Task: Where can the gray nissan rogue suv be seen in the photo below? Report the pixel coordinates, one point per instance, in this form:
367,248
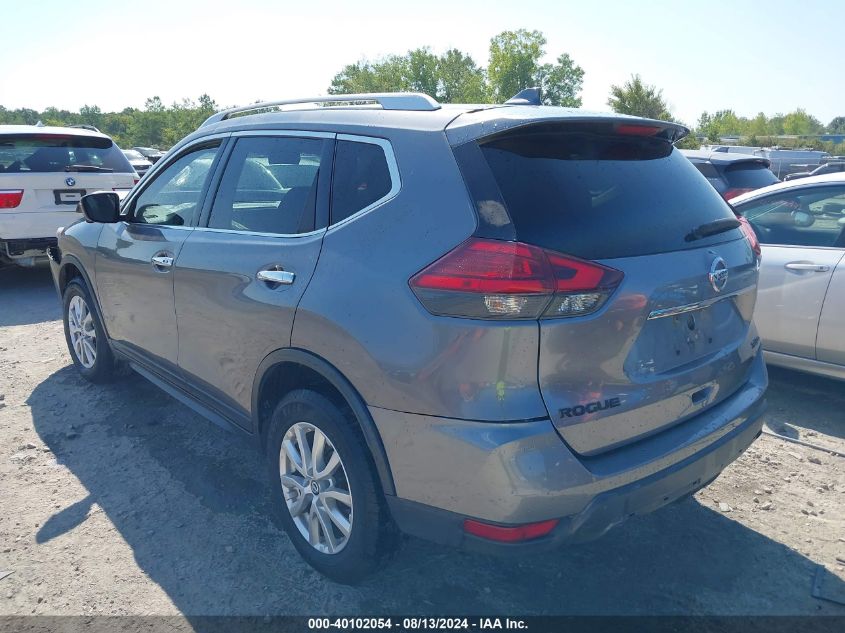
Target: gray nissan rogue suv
502,327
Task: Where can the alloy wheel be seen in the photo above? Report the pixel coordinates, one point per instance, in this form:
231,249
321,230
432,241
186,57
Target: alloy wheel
316,488
83,334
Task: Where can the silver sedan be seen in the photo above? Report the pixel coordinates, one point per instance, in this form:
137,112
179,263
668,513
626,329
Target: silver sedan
801,299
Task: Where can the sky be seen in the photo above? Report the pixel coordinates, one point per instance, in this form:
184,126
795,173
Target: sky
749,56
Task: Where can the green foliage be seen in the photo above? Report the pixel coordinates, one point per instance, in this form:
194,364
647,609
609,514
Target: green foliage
514,62
763,128
837,126
799,122
156,125
560,83
639,99
690,141
454,77
722,123
417,71
461,80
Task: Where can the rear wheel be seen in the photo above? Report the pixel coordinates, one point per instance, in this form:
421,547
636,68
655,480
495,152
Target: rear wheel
86,339
325,483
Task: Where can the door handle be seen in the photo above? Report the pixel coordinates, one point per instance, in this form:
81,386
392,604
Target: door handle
816,268
283,277
161,261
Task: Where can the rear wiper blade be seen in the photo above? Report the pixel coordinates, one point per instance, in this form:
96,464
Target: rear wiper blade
712,228
87,168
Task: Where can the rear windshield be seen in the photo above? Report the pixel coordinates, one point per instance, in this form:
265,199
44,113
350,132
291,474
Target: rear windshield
707,170
599,196
749,176
21,153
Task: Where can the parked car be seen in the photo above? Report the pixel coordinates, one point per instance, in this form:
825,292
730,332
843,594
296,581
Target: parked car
490,326
140,164
44,171
832,167
782,161
788,161
732,174
801,301
150,153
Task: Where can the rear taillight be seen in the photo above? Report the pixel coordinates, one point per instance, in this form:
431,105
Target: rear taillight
733,193
10,198
751,236
492,279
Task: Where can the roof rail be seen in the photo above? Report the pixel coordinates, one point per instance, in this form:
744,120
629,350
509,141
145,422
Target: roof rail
416,101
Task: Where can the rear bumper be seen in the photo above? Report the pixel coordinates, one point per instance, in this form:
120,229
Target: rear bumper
26,248
523,472
35,224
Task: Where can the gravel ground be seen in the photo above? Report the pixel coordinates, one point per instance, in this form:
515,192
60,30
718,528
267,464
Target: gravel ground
116,499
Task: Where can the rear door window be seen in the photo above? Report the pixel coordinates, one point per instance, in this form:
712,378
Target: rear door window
599,196
30,153
361,178
269,186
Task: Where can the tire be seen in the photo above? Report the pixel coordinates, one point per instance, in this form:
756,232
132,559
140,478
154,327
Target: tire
86,340
372,536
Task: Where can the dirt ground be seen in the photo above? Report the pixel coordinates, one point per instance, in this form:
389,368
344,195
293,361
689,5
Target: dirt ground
118,500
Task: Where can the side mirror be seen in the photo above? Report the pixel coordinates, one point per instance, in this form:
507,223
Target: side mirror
101,206
803,219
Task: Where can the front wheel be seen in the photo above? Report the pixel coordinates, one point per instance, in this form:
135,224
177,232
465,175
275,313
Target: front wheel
86,339
325,483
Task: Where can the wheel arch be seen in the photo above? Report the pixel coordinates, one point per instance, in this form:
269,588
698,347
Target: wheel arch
72,268
308,367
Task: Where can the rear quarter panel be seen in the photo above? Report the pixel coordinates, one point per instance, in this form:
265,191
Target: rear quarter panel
359,313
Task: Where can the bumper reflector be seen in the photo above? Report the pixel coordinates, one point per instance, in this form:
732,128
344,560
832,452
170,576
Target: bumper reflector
509,534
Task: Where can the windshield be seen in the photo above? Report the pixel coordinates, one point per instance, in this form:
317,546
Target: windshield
131,154
21,153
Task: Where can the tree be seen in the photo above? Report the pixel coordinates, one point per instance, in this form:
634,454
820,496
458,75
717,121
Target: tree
454,77
637,98
801,123
450,77
461,79
837,126
422,71
207,105
758,126
154,104
92,115
390,74
722,123
560,83
513,65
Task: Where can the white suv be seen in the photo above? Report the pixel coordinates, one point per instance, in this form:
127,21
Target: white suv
44,171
